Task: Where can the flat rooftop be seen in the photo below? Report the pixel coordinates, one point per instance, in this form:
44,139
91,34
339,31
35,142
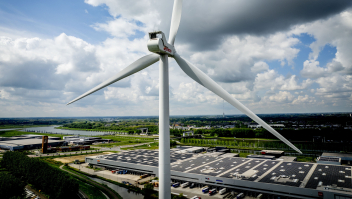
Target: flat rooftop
293,174
22,142
340,155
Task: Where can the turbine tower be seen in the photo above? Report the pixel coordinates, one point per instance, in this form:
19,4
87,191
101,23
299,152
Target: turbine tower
161,50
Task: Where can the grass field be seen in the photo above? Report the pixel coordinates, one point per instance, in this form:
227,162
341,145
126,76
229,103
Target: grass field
19,126
91,191
244,155
151,146
305,159
121,143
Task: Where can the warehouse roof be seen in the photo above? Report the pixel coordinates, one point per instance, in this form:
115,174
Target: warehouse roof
296,174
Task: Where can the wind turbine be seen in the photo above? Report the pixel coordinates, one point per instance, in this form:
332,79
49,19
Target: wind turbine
162,49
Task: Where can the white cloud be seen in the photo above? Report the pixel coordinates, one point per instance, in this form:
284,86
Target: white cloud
119,27
335,31
48,73
144,11
304,99
241,58
334,79
271,79
311,69
281,97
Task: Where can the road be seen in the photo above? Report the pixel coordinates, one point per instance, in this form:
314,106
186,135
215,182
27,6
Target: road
66,153
93,182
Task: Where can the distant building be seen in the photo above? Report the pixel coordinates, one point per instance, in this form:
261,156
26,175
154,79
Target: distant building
254,126
27,142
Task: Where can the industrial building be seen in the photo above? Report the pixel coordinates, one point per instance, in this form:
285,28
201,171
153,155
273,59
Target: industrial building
190,149
77,140
335,158
272,177
26,142
67,148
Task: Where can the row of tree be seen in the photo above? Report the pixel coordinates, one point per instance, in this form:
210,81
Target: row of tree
292,134
54,182
235,132
112,127
314,147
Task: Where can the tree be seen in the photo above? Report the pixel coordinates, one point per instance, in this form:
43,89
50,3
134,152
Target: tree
148,190
53,181
10,186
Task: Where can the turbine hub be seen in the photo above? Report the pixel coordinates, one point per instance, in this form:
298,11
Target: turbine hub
157,43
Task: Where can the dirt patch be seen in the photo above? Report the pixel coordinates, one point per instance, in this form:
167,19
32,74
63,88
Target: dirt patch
78,157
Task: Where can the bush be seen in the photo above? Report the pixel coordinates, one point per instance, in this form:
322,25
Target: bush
54,182
173,143
10,186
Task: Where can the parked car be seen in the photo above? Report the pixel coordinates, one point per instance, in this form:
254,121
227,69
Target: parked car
196,197
241,195
177,184
192,185
205,190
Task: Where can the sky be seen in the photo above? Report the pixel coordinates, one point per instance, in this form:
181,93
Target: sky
274,56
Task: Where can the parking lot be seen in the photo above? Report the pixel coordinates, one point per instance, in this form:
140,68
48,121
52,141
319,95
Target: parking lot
190,192
187,191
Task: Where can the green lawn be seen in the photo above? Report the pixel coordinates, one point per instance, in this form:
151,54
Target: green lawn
305,159
125,138
91,191
129,142
151,146
74,170
19,126
244,155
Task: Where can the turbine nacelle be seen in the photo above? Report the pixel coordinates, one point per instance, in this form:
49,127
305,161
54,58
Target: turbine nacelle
157,43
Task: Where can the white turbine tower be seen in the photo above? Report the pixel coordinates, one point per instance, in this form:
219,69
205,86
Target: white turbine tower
162,49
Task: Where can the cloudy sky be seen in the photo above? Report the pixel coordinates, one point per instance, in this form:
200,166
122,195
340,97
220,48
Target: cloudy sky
274,56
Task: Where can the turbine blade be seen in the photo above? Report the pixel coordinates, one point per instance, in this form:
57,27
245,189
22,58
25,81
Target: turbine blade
175,20
136,66
200,77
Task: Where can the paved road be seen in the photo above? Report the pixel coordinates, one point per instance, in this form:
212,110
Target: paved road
93,182
36,192
67,153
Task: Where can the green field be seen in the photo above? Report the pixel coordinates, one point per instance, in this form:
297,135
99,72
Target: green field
121,143
91,191
19,126
151,146
123,140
